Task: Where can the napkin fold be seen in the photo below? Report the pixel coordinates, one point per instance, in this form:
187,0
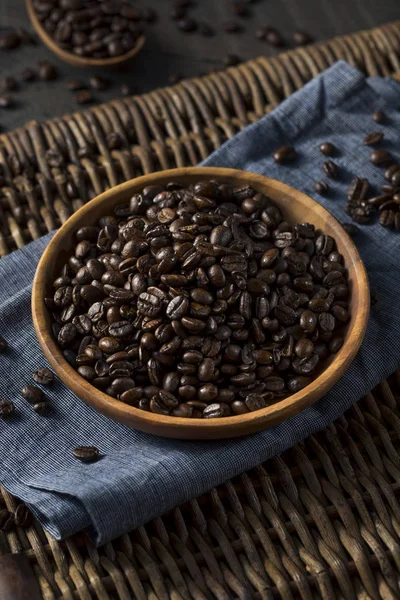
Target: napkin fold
140,476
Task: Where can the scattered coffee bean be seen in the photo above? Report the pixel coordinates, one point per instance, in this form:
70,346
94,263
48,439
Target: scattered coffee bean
8,84
330,169
97,82
240,8
32,394
373,138
327,148
5,100
381,158
187,25
83,97
285,154
125,89
231,60
86,454
27,74
9,41
175,78
272,36
379,116
322,188
47,71
200,302
75,85
41,408
301,38
232,27
6,408
3,345
43,376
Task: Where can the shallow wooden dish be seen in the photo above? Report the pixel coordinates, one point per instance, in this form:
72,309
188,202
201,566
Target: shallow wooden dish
296,207
73,59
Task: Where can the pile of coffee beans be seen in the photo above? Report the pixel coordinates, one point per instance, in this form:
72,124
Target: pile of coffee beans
200,301
91,28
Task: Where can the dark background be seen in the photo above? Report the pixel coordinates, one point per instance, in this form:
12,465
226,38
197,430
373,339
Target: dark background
167,50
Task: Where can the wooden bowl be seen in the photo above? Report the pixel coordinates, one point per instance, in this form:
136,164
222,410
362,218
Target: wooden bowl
73,59
296,207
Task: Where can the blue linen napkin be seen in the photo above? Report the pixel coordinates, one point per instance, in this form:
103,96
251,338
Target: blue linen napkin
141,476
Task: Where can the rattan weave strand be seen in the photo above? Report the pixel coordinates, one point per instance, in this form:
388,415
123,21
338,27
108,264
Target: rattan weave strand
320,521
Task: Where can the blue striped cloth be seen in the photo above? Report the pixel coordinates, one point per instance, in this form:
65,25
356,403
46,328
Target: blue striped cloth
140,476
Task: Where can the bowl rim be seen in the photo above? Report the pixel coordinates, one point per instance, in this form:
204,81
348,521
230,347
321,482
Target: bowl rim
146,420
74,59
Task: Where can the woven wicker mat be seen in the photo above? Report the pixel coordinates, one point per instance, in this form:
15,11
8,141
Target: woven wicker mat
320,521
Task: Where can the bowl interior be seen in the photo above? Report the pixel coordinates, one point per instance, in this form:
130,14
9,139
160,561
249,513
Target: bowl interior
74,59
296,207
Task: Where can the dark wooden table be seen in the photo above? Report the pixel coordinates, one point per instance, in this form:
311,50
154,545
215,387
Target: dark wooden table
168,50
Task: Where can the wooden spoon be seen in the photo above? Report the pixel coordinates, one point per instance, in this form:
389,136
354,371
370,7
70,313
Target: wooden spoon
73,59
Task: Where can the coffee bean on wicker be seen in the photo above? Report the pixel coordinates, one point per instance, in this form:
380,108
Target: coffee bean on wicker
188,301
43,376
6,408
86,454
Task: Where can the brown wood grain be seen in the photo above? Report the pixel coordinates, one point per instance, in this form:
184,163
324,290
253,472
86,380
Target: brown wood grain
296,207
73,59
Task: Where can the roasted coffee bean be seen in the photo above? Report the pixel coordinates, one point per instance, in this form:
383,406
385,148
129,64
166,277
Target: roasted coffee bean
330,169
187,298
272,36
32,394
41,408
285,154
301,38
47,71
6,408
43,376
381,158
327,148
255,402
3,345
373,138
379,116
298,383
216,410
322,188
86,454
